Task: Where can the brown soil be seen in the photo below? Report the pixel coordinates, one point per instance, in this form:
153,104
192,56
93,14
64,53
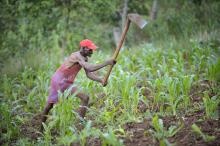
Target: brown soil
138,133
31,128
186,136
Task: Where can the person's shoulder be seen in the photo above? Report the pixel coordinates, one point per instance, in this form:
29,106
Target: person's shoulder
74,53
77,56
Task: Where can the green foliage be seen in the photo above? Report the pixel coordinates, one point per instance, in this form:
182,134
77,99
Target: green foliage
211,105
36,35
169,80
111,139
198,131
179,20
8,124
161,133
87,132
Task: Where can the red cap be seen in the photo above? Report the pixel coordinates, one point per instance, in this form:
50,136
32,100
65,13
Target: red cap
88,43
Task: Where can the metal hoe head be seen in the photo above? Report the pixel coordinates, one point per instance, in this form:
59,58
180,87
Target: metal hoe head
135,18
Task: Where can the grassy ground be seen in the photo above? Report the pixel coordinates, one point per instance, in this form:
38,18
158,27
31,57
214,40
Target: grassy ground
155,96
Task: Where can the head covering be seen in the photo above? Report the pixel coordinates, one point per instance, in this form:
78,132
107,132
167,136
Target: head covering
88,43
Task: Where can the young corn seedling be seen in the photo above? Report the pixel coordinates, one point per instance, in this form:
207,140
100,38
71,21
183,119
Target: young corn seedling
7,123
110,138
186,86
213,69
47,135
129,93
63,114
7,85
158,89
161,133
174,94
88,131
211,105
67,139
205,137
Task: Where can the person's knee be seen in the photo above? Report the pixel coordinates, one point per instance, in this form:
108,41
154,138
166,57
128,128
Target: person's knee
86,99
83,97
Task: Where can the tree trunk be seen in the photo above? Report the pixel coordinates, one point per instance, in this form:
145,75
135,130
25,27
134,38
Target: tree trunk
124,14
154,10
116,34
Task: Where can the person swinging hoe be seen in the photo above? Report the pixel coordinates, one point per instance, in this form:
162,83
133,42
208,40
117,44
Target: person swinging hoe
65,75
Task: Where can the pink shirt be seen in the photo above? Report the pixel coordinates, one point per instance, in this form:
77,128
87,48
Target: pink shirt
69,73
70,68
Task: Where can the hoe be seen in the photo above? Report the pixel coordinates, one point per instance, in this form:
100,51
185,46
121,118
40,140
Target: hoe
136,19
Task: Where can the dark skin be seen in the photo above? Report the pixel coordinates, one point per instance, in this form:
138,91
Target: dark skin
82,59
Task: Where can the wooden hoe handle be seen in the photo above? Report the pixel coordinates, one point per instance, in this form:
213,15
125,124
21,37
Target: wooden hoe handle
117,49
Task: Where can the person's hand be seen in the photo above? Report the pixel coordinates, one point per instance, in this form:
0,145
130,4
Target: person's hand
104,83
112,62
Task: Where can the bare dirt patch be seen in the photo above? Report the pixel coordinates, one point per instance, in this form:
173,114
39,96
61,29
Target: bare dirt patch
32,128
138,134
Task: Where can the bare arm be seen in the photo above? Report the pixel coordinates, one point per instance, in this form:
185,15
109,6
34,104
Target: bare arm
93,67
93,77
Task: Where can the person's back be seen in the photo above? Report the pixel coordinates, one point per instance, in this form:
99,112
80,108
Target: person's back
70,68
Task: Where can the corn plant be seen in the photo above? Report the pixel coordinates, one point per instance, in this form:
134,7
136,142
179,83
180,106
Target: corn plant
186,82
205,137
7,123
47,135
87,132
67,139
63,115
158,89
161,133
213,68
124,87
174,94
109,138
7,85
211,105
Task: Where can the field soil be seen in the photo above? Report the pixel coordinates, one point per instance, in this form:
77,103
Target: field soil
138,133
32,128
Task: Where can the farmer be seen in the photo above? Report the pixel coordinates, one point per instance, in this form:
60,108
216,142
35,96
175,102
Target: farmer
65,75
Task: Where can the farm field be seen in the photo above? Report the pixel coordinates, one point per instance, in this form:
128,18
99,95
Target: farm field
164,89
155,96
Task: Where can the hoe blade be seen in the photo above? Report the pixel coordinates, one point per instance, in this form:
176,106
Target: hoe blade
135,18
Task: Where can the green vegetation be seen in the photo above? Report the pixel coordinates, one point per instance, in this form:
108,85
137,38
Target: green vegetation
197,130
171,66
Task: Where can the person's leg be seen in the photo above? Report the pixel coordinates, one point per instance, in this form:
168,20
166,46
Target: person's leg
84,101
47,109
52,99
